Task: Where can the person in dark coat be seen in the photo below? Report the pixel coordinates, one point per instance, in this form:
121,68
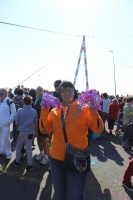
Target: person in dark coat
56,86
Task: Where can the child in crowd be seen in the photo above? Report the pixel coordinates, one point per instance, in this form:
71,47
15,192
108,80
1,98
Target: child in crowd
26,122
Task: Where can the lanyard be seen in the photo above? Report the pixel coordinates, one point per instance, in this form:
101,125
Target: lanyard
66,110
37,99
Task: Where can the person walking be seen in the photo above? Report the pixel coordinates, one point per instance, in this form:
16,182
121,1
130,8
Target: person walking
113,114
7,116
56,86
127,116
105,108
27,123
18,100
42,140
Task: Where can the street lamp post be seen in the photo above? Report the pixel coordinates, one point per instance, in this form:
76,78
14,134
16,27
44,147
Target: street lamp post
114,72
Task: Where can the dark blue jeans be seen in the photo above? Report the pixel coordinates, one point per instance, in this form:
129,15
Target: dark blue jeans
67,185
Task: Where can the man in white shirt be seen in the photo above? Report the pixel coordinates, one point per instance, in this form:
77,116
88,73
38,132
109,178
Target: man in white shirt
105,110
7,115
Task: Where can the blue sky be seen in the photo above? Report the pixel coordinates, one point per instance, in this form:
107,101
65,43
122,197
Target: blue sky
106,24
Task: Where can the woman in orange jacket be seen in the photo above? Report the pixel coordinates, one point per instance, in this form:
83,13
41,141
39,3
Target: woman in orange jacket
69,185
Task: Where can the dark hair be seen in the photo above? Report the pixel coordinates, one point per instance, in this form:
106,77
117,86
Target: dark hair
57,82
105,95
129,99
27,100
114,100
20,91
32,93
66,84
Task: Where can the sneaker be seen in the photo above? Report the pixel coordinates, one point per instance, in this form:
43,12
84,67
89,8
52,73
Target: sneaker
39,157
128,186
44,161
15,163
125,145
29,167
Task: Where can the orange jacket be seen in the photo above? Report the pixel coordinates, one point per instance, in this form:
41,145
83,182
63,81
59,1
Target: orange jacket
77,122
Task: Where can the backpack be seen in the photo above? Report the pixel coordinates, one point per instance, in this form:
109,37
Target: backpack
17,103
9,102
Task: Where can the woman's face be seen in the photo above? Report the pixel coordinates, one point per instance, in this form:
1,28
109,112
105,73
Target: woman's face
67,94
39,91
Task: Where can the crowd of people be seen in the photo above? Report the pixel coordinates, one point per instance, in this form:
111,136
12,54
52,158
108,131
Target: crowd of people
24,110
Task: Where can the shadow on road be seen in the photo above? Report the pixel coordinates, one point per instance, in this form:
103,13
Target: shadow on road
105,149
93,190
19,183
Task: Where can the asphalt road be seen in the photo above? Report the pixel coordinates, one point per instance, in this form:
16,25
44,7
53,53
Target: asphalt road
108,163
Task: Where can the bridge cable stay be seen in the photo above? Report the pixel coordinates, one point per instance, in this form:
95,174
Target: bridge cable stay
41,68
82,50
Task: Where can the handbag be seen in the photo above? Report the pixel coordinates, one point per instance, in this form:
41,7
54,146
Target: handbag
76,160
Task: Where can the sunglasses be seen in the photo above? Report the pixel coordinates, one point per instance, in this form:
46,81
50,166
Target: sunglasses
56,85
70,90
